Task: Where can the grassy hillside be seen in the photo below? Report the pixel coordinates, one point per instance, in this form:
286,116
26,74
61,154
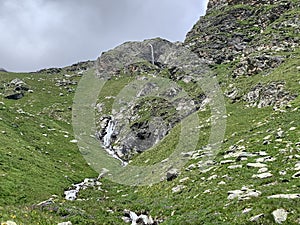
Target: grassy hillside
39,160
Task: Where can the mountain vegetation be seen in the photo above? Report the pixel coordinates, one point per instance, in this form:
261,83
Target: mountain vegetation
212,122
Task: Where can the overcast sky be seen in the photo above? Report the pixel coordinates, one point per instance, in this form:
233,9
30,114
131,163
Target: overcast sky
36,34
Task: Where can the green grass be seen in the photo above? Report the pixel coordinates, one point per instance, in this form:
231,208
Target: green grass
37,159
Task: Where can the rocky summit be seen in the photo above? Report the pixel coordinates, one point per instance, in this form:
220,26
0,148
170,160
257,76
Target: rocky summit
204,131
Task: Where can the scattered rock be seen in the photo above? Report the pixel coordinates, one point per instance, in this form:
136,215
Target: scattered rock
285,196
256,218
247,210
15,96
9,222
263,170
243,194
46,203
296,175
256,165
272,94
178,188
297,166
262,175
139,219
184,180
249,66
235,167
65,223
172,174
71,194
227,162
280,215
265,159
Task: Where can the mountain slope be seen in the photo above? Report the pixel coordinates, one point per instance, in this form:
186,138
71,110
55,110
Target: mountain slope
250,47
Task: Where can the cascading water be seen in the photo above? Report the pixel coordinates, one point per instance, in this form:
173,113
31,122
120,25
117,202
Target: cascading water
109,131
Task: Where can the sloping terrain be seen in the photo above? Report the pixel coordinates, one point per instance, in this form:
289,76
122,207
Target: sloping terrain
250,47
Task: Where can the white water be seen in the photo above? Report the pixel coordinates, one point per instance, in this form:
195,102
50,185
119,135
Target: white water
107,141
109,131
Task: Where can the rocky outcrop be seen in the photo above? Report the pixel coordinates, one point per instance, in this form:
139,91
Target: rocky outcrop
272,94
16,89
158,102
237,31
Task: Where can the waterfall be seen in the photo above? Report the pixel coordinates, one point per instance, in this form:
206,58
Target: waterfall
109,131
107,141
152,53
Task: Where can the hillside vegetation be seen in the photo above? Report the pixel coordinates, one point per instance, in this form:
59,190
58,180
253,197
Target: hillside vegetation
250,47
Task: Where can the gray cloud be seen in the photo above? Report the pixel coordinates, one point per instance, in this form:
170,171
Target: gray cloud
37,34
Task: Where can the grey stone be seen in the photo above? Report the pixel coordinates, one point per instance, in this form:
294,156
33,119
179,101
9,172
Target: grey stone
178,188
256,165
15,96
262,175
9,222
138,219
243,194
235,167
172,174
285,196
272,94
280,215
256,218
296,175
65,223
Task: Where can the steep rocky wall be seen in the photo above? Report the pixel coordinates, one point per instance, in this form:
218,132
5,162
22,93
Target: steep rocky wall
235,30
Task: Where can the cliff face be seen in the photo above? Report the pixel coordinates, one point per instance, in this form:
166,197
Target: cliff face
246,31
